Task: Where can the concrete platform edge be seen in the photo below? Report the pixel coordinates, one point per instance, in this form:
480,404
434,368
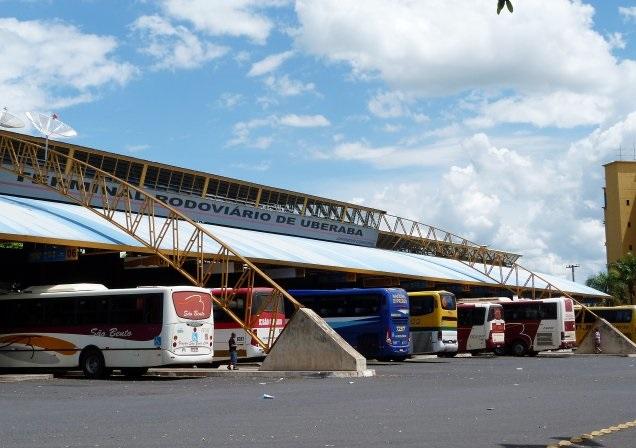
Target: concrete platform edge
25,377
199,373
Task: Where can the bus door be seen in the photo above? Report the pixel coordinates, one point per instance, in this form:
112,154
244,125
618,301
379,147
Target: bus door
549,330
497,333
268,316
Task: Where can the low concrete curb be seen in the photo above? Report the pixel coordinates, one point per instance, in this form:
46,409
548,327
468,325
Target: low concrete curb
26,377
223,372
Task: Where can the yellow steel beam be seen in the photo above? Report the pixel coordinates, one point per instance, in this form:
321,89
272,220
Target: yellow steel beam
111,199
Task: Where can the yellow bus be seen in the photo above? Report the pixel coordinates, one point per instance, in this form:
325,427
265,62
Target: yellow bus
433,322
622,317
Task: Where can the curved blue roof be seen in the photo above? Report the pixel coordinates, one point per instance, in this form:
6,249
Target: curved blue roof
60,222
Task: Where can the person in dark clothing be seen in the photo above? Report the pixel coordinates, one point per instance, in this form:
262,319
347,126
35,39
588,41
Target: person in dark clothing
233,354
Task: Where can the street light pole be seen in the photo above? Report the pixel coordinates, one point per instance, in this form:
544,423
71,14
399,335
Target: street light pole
572,266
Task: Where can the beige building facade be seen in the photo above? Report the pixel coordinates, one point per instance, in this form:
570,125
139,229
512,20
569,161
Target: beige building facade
620,214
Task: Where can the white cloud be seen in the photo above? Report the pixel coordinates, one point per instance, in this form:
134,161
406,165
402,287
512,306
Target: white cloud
616,40
221,17
269,64
261,166
560,109
230,100
52,65
395,104
628,12
547,47
391,128
243,129
389,105
391,157
285,86
304,121
174,47
545,206
136,148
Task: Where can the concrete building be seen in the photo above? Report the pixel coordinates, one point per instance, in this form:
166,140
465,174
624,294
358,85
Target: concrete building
620,195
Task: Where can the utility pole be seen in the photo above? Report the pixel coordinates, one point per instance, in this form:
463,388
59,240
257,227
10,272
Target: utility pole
572,266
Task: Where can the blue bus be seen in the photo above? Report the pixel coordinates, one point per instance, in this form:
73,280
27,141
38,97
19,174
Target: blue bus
374,321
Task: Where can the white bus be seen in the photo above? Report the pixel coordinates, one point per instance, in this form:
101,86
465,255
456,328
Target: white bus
99,329
536,325
480,327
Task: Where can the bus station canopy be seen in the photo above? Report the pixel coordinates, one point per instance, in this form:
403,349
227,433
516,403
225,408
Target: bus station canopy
33,220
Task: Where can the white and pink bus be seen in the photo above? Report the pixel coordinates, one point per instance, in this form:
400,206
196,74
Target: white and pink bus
480,327
536,325
97,329
261,308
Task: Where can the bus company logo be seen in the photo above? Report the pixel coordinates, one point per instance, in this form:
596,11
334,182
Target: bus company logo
265,322
111,333
197,307
400,300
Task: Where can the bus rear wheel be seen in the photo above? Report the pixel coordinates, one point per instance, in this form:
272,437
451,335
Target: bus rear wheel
519,348
134,372
93,364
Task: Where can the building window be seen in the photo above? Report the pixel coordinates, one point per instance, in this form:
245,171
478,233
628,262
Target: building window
627,202
630,247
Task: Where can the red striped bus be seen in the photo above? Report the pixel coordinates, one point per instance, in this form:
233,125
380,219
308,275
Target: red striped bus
265,313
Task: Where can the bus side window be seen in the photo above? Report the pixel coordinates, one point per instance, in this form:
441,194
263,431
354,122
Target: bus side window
153,309
548,311
91,310
479,316
60,312
126,310
464,317
33,312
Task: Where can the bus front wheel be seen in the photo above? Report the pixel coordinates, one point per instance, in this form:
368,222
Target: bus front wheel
93,364
519,348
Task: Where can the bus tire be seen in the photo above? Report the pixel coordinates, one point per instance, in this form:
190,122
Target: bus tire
134,372
519,348
93,364
447,354
499,351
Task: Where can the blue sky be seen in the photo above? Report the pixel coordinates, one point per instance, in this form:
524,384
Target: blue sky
492,127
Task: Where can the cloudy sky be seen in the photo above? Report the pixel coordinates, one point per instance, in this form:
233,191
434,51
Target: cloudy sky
493,127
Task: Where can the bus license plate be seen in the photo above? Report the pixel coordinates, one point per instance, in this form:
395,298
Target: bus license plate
194,349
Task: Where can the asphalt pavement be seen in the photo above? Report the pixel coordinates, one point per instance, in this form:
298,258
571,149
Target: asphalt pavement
463,402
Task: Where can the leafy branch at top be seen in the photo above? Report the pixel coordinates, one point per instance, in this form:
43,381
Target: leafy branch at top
502,3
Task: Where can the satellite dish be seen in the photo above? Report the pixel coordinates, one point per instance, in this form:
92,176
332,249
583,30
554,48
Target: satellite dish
8,120
50,125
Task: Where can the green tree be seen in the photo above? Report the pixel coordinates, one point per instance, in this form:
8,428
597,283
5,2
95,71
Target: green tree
610,283
625,268
502,3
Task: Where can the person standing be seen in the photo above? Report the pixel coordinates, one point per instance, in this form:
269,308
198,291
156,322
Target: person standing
597,340
233,353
